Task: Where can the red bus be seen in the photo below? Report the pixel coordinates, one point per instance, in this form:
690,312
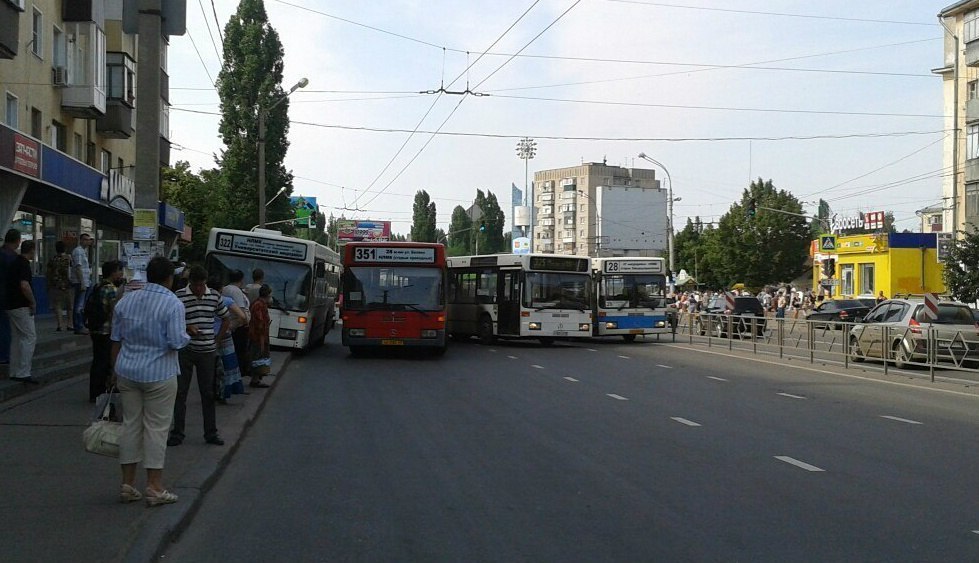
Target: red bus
393,295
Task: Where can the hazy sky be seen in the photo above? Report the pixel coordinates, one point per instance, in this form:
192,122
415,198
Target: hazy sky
856,75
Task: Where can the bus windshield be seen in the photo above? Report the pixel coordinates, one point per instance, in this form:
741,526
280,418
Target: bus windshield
631,291
290,282
392,288
545,290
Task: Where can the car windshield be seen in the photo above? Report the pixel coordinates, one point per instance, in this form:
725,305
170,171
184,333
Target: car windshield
948,314
392,288
291,282
630,291
849,304
748,305
546,290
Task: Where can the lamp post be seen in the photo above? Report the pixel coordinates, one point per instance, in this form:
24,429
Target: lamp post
263,114
669,212
955,129
526,150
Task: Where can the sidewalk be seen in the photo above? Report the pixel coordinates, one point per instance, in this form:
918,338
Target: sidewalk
57,356
61,503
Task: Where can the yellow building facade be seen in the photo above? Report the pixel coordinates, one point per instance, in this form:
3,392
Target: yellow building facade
865,265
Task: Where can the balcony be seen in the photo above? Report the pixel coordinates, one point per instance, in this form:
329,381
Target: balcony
568,240
972,170
547,248
972,110
85,11
164,151
9,30
118,122
972,53
84,94
547,197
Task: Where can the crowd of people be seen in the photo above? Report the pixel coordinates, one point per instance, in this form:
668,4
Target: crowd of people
148,343
779,301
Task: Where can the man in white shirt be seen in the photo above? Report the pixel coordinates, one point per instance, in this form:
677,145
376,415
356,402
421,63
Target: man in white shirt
239,334
80,276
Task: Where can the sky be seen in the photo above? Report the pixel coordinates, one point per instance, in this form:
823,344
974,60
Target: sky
831,99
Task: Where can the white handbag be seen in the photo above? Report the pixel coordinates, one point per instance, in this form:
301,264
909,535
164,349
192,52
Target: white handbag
102,436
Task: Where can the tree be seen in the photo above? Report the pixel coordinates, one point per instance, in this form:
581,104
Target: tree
961,273
192,193
820,221
460,233
250,79
489,228
423,218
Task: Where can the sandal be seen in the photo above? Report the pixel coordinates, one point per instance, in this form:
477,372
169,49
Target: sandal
128,493
156,498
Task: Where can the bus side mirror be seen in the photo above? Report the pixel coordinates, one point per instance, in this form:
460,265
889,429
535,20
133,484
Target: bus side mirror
320,270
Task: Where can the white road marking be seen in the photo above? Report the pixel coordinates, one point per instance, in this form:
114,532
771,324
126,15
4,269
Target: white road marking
512,357
662,366
684,421
571,379
975,531
492,350
536,366
899,419
798,463
619,397
716,378
591,349
790,395
624,357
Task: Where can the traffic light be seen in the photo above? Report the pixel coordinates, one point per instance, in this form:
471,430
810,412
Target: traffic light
752,207
482,226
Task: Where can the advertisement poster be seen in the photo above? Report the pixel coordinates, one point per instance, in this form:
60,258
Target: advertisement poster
353,230
304,208
144,224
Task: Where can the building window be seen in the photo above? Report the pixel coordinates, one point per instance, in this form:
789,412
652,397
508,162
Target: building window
36,123
846,277
867,279
90,154
972,142
120,166
37,33
106,163
79,148
59,136
973,89
121,78
970,26
59,48
10,114
972,199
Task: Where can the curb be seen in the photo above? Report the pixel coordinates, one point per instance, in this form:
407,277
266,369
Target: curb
166,525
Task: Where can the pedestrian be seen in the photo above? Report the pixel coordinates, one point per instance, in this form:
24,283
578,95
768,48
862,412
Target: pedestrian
251,290
228,367
239,331
147,331
59,287
106,294
258,337
780,305
880,297
201,305
21,307
81,280
11,242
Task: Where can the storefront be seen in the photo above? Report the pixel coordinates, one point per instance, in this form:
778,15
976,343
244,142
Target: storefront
865,265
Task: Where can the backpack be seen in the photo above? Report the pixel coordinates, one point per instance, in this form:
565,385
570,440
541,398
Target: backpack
94,313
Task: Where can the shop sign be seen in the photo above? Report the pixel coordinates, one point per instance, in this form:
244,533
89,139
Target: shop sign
27,156
119,191
871,221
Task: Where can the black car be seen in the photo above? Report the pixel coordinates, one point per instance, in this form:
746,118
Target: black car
839,310
717,319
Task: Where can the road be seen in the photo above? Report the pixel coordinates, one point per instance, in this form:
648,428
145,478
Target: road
600,451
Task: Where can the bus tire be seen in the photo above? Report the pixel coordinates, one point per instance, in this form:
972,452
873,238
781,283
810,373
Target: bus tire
357,351
486,336
547,340
629,337
439,351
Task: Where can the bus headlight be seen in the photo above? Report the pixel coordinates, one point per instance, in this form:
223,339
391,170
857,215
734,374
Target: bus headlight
356,332
660,324
584,326
429,333
533,326
288,334
611,325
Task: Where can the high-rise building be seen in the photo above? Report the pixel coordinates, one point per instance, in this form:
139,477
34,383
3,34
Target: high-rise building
599,210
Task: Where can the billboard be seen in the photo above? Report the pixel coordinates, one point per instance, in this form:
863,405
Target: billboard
304,208
355,230
521,245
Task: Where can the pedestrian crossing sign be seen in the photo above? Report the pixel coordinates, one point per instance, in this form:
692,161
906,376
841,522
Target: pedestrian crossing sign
827,242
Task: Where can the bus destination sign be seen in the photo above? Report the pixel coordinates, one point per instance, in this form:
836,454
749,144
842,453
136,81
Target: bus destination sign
633,266
559,264
260,246
394,254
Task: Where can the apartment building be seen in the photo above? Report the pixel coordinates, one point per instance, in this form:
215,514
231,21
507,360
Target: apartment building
67,124
599,210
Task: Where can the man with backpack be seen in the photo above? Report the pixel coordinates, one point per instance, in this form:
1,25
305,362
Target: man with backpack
98,320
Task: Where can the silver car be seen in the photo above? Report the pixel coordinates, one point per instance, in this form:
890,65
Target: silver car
897,330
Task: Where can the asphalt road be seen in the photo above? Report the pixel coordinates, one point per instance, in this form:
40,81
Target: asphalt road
601,451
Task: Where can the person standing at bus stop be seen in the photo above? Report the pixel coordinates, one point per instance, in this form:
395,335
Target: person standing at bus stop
81,279
258,336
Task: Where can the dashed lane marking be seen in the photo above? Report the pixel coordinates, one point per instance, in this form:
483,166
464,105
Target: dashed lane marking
899,419
791,396
797,463
536,366
716,378
591,349
618,397
684,421
512,357
662,366
571,379
624,357
493,350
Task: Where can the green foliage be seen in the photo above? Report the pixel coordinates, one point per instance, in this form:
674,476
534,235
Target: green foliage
820,222
193,194
961,272
489,240
250,79
460,233
423,218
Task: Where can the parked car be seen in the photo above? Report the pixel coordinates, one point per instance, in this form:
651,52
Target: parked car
717,319
840,311
956,333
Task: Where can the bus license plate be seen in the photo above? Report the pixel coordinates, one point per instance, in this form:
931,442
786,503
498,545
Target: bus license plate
392,343
560,333
635,331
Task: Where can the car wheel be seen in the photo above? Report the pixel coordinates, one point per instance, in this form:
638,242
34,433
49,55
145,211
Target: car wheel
546,341
629,337
719,329
855,354
486,336
901,356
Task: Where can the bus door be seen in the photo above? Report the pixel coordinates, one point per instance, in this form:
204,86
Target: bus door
508,319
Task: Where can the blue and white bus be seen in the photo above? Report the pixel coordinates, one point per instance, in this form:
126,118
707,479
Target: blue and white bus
630,297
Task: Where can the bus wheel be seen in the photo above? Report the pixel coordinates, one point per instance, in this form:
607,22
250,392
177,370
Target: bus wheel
356,351
439,351
629,337
486,335
547,341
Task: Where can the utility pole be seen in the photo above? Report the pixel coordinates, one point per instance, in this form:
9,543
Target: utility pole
955,129
147,172
263,114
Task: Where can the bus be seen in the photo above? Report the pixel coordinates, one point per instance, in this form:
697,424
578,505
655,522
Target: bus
304,277
393,296
630,297
542,296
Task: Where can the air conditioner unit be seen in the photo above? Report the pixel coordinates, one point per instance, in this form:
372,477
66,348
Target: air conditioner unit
59,76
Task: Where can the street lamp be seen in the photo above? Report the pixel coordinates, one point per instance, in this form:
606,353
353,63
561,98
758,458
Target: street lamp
263,114
281,191
669,212
526,150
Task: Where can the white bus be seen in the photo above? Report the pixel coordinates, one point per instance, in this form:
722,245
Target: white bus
630,297
304,277
541,296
